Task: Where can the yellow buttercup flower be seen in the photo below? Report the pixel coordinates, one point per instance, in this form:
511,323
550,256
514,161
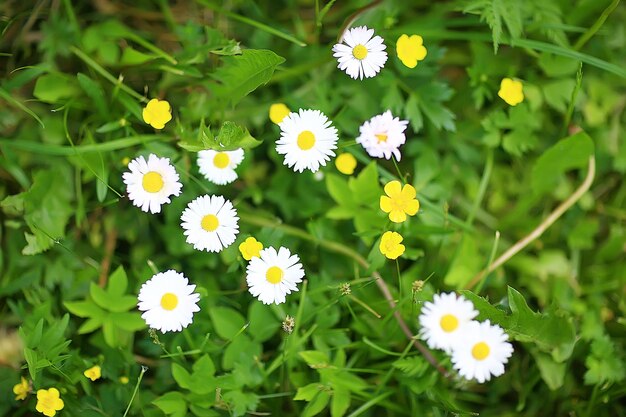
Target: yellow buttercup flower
390,245
250,248
278,111
49,402
124,380
93,373
511,91
410,50
399,201
157,113
345,163
21,390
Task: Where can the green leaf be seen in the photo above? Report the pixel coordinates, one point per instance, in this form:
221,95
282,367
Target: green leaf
226,321
99,295
365,187
340,402
173,404
129,321
263,323
231,136
118,282
308,392
552,372
466,264
339,190
242,74
91,325
84,309
94,92
569,153
604,364
204,367
314,358
181,376
316,405
412,366
52,88
495,12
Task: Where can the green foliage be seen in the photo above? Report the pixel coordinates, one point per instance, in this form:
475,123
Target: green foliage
75,251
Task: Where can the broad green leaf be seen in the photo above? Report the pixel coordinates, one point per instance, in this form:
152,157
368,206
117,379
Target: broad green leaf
84,309
181,376
316,405
569,153
241,74
314,358
466,264
340,402
54,87
365,187
308,392
232,136
263,323
118,282
173,404
129,321
95,94
90,325
552,372
100,296
339,190
605,363
241,402
204,367
226,321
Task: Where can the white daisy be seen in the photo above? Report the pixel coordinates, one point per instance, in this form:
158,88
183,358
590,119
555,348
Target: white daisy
382,135
210,223
360,54
219,167
273,275
307,140
443,320
168,301
150,184
483,352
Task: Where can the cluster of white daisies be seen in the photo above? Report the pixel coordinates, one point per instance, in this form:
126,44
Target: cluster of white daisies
478,349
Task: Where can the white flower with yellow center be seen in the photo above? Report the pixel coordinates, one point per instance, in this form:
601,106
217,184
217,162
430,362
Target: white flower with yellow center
443,320
483,352
307,140
219,167
383,135
168,301
151,183
210,223
273,275
360,54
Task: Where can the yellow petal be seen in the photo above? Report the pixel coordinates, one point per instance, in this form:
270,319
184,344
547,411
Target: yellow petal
397,216
408,192
412,208
385,204
393,188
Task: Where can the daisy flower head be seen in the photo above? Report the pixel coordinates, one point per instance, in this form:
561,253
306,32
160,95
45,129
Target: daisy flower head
483,353
444,319
359,54
210,223
272,275
157,113
151,183
399,201
168,301
307,140
219,167
382,135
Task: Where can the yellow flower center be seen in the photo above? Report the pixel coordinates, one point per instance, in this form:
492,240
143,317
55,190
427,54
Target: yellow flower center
381,137
480,351
449,323
306,140
169,301
210,222
152,182
274,275
221,160
359,52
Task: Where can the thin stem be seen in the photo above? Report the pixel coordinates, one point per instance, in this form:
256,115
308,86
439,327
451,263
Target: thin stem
584,38
143,371
543,226
484,182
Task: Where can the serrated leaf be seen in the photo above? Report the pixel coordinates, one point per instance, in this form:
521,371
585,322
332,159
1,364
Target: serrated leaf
412,366
241,74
